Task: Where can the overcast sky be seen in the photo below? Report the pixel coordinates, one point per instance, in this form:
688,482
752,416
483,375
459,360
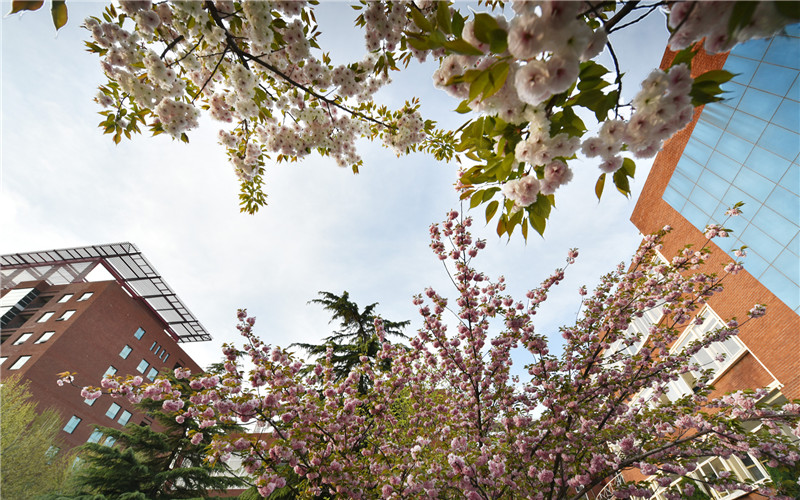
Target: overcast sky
65,184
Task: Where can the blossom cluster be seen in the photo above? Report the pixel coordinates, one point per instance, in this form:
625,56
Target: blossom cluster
256,67
447,415
711,23
253,68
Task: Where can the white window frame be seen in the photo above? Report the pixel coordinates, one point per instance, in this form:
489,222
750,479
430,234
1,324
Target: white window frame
113,414
46,316
125,417
72,424
44,337
65,298
19,363
23,338
85,296
67,315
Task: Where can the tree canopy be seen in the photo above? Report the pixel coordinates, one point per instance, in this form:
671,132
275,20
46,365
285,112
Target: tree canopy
448,419
142,462
357,336
534,98
32,463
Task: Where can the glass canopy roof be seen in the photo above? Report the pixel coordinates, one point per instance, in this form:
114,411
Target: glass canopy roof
124,262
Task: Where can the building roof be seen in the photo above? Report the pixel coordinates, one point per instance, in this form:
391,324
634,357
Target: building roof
125,262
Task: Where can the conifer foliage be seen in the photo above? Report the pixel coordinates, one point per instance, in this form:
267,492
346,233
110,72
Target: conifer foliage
356,337
148,463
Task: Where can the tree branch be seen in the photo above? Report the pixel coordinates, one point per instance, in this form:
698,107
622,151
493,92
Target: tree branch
245,56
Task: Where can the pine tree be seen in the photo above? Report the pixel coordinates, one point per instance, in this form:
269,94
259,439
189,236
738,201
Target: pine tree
148,463
31,464
356,336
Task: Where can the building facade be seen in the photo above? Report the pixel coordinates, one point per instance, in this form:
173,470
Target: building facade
55,319
744,148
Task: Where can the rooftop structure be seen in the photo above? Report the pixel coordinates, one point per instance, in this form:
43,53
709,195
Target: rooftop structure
124,261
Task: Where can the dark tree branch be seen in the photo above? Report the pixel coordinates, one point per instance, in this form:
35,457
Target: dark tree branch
245,56
650,11
172,45
620,15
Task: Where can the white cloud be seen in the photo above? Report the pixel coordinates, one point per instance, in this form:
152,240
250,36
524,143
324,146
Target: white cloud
65,184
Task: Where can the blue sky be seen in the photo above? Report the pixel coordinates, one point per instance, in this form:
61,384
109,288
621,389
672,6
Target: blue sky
65,184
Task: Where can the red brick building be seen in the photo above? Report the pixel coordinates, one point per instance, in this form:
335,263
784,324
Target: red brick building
55,320
744,148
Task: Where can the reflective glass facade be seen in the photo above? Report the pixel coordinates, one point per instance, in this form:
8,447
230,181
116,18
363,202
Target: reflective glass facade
747,148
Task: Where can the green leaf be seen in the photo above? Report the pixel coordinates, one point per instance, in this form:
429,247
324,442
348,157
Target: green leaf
420,20
621,182
498,41
524,228
591,70
598,188
498,73
537,223
717,76
741,15
461,46
418,43
515,220
501,225
506,166
684,56
457,23
476,199
484,24
463,107
443,17
479,85
629,167
788,9
489,193
491,209
18,6
592,83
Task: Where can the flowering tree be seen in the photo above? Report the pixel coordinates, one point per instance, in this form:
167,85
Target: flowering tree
448,419
527,84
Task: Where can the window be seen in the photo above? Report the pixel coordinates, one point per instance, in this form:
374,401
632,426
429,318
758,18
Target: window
45,337
124,418
139,334
19,362
110,440
125,352
85,296
111,371
65,298
51,453
165,357
89,402
158,349
154,345
151,375
67,315
95,437
72,424
142,366
22,338
113,410
3,359
46,316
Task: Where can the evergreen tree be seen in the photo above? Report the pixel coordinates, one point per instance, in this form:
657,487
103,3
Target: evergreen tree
31,463
356,336
149,463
